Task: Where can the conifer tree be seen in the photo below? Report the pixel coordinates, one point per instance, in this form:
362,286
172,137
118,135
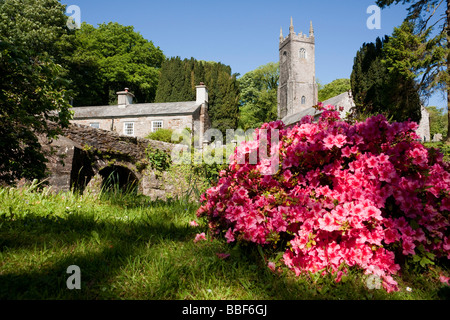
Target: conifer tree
178,79
376,89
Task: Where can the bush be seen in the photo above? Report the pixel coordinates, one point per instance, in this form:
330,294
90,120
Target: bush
367,195
164,135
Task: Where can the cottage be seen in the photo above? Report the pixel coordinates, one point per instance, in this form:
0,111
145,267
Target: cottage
140,119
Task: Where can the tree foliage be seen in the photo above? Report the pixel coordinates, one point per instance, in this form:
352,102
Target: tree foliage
334,88
33,93
380,90
107,59
438,121
34,25
178,79
429,60
258,103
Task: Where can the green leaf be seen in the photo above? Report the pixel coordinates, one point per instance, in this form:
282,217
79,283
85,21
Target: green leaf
260,250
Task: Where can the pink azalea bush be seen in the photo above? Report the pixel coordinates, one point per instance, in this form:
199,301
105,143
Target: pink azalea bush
345,195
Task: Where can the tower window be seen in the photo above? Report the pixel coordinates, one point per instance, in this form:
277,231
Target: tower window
303,100
302,53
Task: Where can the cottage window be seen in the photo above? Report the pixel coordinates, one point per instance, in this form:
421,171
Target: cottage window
156,125
95,125
128,128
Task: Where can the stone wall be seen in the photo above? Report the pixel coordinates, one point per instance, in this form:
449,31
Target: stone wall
77,158
142,125
424,126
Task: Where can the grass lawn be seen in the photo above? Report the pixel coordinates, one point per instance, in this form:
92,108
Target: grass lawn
128,247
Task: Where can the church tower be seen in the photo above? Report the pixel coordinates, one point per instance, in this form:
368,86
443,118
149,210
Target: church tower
297,88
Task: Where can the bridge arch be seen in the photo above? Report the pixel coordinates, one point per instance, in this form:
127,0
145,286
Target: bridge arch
118,178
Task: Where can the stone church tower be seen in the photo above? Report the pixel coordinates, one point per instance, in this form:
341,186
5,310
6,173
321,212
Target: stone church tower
297,88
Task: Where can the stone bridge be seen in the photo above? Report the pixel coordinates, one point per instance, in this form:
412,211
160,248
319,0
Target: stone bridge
84,157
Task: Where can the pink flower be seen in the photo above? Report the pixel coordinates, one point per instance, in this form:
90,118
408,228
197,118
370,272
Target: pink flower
229,236
220,206
382,188
200,237
329,142
271,265
223,256
408,247
444,279
287,175
193,224
327,223
340,140
338,277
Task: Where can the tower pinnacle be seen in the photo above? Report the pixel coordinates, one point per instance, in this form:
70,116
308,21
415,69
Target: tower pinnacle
281,34
311,30
291,28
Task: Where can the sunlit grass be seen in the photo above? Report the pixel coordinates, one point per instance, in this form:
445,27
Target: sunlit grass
129,247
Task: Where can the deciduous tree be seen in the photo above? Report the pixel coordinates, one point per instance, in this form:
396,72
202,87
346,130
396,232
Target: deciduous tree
258,102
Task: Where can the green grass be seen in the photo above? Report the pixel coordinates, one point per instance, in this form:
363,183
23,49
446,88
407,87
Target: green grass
128,247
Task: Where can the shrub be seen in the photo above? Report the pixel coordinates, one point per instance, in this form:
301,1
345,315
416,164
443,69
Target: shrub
365,195
164,135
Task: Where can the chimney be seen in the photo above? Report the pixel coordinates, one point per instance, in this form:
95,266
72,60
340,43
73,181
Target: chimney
124,98
202,93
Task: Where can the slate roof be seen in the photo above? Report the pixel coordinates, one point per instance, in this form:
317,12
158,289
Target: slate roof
296,117
342,100
136,110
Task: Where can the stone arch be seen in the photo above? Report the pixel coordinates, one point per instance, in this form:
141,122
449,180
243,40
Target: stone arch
82,171
118,177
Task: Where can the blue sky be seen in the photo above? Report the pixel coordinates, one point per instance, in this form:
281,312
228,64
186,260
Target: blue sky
244,34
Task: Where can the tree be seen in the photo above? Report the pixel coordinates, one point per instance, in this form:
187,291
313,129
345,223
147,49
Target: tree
34,25
334,88
33,95
377,89
438,121
258,99
431,60
107,59
178,79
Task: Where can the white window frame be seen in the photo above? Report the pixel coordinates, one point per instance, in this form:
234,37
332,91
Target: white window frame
127,129
160,126
95,125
